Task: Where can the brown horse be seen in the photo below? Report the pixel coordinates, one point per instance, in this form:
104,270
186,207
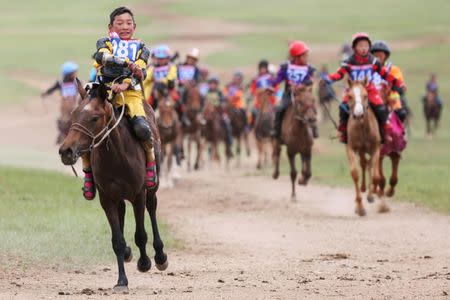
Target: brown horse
297,135
170,131
238,129
214,132
363,140
263,126
432,112
118,163
192,111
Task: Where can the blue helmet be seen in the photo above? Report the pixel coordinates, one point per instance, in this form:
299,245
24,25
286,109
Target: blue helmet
162,51
68,68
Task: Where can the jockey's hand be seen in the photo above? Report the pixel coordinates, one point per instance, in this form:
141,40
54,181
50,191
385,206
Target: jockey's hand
43,95
136,70
120,87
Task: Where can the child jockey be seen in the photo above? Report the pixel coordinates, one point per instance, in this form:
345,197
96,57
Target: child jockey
161,74
295,72
263,81
121,56
359,66
381,50
432,87
234,93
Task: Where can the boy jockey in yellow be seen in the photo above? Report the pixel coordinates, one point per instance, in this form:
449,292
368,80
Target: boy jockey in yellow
381,50
161,74
121,62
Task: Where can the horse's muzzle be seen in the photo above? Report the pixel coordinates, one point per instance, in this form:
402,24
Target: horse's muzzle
68,155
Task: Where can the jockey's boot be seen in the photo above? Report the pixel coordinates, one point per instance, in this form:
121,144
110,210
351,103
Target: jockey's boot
88,185
151,175
342,133
343,119
381,114
276,130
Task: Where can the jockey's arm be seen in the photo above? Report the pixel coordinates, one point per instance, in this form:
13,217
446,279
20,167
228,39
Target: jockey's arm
53,88
340,73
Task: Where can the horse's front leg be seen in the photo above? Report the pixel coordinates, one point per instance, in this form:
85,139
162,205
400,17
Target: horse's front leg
293,174
363,165
140,236
160,257
395,159
121,210
306,168
260,147
198,142
376,173
359,209
118,242
276,146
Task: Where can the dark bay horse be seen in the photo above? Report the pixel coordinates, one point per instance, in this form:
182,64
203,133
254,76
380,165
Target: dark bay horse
263,126
238,129
118,164
364,141
432,112
192,111
214,132
297,135
171,135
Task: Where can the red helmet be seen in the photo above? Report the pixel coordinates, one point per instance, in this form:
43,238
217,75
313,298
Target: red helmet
297,48
360,36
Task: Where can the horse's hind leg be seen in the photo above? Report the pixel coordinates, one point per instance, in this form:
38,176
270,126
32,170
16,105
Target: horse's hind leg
160,257
189,145
382,179
260,147
140,236
306,168
276,158
247,144
118,243
376,177
293,175
121,210
395,159
198,142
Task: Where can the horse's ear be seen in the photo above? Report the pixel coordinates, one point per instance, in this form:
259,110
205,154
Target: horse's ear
81,90
102,92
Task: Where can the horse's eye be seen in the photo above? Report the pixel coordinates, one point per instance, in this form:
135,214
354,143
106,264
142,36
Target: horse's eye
94,119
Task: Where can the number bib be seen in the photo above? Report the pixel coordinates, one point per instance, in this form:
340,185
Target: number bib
297,74
186,73
69,89
360,73
264,81
159,73
125,48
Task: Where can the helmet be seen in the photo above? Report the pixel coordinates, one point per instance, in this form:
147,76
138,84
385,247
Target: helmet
272,68
68,68
297,48
381,46
360,36
162,51
238,73
213,79
263,64
194,53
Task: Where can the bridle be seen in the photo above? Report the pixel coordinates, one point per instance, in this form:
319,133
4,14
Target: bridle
299,114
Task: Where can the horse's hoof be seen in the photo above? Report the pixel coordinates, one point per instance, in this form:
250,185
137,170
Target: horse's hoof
144,264
383,209
128,254
390,192
196,167
120,289
302,181
163,266
360,211
370,198
276,175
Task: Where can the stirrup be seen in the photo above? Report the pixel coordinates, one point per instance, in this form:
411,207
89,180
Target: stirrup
151,176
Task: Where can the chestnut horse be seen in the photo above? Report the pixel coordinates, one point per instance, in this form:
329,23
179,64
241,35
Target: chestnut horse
363,140
171,136
192,111
297,135
263,126
118,163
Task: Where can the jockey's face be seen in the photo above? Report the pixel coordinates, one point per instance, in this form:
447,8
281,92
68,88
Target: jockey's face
191,61
162,61
362,47
381,56
263,70
71,76
237,79
123,25
212,86
301,60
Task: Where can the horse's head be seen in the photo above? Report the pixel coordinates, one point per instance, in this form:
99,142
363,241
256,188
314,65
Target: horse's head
304,104
89,119
358,100
161,91
167,115
193,97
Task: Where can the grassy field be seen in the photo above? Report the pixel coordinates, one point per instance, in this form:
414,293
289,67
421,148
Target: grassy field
43,218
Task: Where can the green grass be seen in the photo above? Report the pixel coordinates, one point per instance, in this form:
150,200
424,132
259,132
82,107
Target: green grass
44,218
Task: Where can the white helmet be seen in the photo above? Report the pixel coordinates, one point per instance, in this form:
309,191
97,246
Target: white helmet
272,68
194,53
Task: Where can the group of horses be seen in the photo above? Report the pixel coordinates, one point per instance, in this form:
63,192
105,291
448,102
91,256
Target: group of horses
118,159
